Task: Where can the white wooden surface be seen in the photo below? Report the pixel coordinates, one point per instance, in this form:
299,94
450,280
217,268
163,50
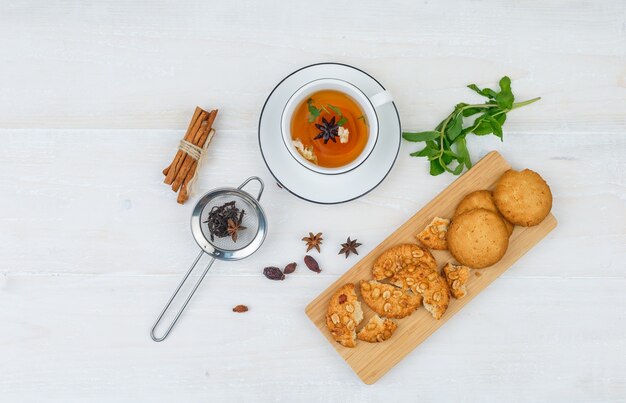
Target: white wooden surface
94,97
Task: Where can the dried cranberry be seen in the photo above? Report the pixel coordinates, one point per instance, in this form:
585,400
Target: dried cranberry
273,273
343,298
312,264
290,268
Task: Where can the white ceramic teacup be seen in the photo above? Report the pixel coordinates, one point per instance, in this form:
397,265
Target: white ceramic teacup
367,104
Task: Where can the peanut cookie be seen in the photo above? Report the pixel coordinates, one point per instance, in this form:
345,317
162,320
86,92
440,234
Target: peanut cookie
434,235
395,259
377,330
457,277
478,238
481,199
434,290
523,198
409,275
389,301
343,315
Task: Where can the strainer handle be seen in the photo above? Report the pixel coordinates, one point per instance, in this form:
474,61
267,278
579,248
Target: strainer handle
180,311
254,178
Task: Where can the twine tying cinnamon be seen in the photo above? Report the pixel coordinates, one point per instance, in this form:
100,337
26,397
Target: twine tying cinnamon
183,171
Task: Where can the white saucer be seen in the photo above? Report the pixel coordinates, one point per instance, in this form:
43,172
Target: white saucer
317,187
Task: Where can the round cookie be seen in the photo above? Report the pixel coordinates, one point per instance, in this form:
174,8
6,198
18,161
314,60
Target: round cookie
523,198
478,238
480,199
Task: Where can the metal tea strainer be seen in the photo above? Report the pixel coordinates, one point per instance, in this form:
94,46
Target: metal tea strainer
248,240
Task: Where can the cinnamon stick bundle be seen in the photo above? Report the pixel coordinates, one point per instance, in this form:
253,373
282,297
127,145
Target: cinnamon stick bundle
181,173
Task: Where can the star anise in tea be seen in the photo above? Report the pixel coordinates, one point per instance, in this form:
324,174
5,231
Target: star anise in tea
235,227
225,220
313,241
329,130
349,246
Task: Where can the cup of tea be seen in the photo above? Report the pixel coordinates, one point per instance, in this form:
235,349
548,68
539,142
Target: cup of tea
330,126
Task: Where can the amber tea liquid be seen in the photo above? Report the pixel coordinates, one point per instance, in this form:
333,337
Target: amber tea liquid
332,154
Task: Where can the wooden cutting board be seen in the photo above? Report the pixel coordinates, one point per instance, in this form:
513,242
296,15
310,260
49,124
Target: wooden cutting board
371,361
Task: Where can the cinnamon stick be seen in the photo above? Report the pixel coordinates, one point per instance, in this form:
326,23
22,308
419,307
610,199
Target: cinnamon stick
183,194
196,115
186,163
199,140
182,171
180,155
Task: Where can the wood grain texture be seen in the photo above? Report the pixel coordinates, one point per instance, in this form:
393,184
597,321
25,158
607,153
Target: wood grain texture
94,98
371,361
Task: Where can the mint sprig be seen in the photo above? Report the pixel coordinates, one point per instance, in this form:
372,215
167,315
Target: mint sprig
315,112
446,146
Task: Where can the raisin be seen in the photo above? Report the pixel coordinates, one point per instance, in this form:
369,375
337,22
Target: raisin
290,268
343,298
273,273
312,264
240,309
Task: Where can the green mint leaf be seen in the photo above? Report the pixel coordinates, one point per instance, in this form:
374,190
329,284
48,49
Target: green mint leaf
455,127
342,121
505,97
421,136
425,152
444,150
436,168
472,111
482,125
486,92
458,169
501,118
451,154
495,126
313,111
461,149
335,109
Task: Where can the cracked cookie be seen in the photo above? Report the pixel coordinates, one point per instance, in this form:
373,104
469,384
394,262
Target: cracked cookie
377,330
434,235
343,315
457,277
389,301
394,259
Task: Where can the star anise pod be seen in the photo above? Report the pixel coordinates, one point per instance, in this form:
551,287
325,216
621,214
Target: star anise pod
349,246
328,130
313,241
234,228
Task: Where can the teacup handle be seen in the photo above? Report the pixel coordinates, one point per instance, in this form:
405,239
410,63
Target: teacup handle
380,99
